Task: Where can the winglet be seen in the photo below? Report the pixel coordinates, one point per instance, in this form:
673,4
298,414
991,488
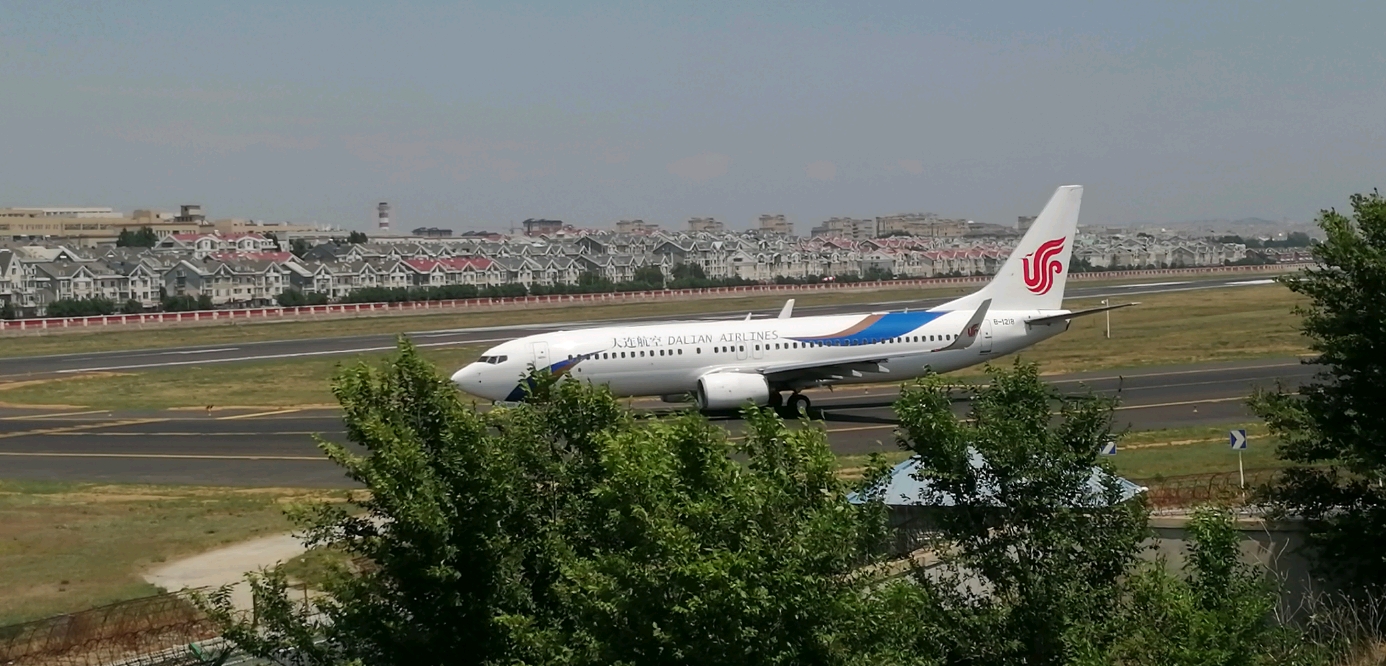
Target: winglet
788,310
971,330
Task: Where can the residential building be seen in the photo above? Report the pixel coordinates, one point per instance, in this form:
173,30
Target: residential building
705,225
776,224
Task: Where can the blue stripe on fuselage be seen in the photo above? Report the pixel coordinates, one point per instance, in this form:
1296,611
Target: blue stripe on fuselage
890,325
518,393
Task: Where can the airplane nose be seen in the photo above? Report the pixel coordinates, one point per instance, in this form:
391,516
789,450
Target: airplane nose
467,377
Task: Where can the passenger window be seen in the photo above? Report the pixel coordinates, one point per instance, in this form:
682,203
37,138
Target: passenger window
680,351
698,350
623,354
743,348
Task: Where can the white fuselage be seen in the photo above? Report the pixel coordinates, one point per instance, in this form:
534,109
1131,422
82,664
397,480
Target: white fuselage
669,358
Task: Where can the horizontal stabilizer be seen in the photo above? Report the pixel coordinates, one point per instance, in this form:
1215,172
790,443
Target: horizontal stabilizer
1079,313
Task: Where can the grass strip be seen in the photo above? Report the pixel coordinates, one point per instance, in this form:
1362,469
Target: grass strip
66,547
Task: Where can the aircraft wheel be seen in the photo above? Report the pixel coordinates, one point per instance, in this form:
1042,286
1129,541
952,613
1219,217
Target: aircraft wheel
798,405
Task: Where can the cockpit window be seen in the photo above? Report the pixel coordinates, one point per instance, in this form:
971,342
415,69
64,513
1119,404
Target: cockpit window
493,360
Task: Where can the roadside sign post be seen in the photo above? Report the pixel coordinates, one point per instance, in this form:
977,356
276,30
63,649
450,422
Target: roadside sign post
1109,449
1238,440
1109,317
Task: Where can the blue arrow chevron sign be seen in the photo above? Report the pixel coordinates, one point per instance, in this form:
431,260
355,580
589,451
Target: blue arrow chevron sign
1238,439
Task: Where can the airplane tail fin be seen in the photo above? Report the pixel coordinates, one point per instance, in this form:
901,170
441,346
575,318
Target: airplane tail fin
1034,276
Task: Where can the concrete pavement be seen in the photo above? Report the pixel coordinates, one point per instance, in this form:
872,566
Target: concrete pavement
277,447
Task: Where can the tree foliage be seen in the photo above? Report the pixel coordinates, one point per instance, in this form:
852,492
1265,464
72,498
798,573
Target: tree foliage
145,237
299,247
82,307
1038,554
186,303
8,310
566,531
290,298
357,237
1333,428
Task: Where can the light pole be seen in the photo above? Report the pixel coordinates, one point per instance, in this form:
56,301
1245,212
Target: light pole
1109,318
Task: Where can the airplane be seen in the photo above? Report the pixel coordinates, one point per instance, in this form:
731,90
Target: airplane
725,364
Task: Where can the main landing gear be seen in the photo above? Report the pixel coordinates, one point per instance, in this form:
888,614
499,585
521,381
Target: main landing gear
796,405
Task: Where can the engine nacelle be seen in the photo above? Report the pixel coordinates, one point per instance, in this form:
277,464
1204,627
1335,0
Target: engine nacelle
732,390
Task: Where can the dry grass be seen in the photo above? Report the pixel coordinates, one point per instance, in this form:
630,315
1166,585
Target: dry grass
66,547
1176,328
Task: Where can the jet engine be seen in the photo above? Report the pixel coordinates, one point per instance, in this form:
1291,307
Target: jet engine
732,390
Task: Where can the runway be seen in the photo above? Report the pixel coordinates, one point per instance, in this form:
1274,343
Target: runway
146,359
276,448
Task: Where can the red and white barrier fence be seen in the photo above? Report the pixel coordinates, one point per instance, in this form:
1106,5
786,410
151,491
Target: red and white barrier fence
308,311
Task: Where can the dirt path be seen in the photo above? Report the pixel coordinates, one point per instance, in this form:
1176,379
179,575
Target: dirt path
227,566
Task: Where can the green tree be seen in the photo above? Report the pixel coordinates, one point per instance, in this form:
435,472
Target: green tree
357,237
204,302
299,247
686,271
131,306
81,307
1333,428
652,277
565,531
1219,612
8,311
1024,523
145,237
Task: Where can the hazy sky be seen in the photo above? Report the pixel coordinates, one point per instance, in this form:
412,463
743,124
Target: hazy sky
477,115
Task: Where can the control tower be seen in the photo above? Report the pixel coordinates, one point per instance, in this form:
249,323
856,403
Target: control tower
382,211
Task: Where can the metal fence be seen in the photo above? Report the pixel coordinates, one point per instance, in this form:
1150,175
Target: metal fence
311,311
153,630
1192,490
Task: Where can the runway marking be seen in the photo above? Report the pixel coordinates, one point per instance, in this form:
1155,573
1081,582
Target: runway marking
29,417
204,351
1183,402
208,434
78,428
1153,284
268,357
854,429
157,456
1178,372
251,416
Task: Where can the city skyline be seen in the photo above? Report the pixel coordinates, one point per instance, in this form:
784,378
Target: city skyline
479,116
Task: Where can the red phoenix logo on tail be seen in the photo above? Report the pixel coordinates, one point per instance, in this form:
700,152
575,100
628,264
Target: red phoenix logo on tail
1039,273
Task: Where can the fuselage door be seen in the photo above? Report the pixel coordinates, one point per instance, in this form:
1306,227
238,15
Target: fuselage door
986,336
740,351
541,355
758,349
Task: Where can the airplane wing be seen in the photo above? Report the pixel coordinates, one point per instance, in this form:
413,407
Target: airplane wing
1049,319
873,362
